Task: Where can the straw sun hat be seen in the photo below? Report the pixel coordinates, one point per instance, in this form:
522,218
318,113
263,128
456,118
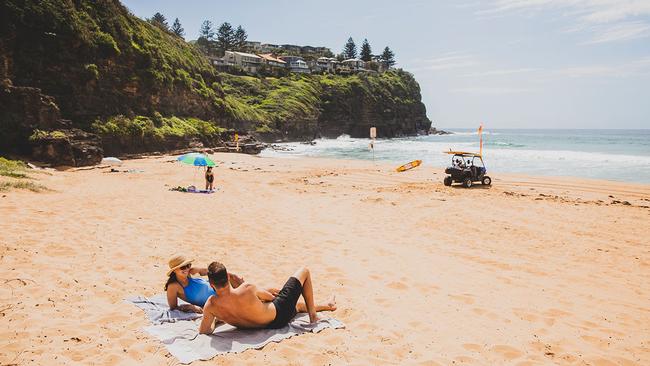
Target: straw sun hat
176,262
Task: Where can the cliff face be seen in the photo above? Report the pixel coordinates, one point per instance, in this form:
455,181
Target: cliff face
391,102
94,64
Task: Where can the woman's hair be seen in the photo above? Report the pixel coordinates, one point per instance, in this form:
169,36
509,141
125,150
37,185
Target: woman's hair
170,280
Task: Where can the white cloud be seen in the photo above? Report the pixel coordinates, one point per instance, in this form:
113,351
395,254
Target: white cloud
492,90
606,20
621,32
446,61
499,72
629,69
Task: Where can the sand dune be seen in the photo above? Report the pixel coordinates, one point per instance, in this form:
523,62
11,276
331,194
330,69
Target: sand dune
530,271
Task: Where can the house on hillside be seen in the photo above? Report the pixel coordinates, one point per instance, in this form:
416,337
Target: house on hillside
272,62
296,64
291,48
383,65
322,50
247,61
253,46
354,64
269,48
325,64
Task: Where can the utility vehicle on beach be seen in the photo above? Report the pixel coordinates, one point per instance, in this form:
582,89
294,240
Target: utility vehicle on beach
466,168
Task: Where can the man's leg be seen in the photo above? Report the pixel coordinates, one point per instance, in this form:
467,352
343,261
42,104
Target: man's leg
330,305
304,277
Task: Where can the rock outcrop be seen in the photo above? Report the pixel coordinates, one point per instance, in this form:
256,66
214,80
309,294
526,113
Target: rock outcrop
78,65
32,124
394,108
70,147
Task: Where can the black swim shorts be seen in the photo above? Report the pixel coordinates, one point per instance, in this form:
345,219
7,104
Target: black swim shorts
285,303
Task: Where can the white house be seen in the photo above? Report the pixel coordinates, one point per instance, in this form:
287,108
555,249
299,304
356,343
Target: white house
296,64
326,64
354,64
247,61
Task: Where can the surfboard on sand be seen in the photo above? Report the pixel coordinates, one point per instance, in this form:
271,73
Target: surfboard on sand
410,165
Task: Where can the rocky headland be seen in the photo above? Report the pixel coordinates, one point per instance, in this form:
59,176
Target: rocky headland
84,79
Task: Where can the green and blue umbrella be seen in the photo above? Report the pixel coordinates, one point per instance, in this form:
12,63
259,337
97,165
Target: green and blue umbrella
196,159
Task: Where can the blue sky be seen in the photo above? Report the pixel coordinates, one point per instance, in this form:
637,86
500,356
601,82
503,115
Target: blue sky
507,63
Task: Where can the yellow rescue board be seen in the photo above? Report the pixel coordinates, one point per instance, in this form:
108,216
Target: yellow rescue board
410,165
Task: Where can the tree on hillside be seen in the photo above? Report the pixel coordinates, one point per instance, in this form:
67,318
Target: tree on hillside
159,20
240,38
225,37
388,57
340,57
329,54
207,30
366,51
177,29
350,49
206,37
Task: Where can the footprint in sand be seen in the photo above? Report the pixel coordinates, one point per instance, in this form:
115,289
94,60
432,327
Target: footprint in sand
398,286
525,315
381,301
464,298
473,347
509,353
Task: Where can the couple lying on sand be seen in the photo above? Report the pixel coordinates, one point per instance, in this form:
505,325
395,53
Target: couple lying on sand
226,297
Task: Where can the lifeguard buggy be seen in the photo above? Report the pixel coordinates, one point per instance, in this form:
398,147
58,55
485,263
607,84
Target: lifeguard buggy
466,168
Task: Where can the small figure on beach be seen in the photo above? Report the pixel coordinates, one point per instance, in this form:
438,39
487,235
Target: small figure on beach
195,291
209,178
248,306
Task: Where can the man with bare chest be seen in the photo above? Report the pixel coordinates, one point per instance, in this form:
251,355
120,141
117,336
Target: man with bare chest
248,306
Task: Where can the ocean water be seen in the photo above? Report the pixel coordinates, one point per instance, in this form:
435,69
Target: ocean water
619,155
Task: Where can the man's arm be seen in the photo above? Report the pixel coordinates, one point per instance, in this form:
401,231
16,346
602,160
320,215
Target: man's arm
208,323
199,271
262,294
235,279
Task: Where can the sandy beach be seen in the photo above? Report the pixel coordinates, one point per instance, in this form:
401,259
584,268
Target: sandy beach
531,271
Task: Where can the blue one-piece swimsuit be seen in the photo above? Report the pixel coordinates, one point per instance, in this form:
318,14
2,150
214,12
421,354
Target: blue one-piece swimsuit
197,291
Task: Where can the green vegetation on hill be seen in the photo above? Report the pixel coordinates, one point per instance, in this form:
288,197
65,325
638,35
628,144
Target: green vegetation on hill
157,128
16,171
12,168
133,82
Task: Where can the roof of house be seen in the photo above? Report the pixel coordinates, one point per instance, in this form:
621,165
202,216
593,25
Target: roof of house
244,54
269,57
352,60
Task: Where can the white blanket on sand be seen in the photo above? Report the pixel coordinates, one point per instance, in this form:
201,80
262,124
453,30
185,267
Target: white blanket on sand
184,342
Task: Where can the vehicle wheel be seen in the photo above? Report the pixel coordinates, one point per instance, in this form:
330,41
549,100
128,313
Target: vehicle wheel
467,182
447,181
486,181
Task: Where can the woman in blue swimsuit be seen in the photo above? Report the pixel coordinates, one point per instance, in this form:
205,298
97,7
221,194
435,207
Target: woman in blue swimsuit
195,291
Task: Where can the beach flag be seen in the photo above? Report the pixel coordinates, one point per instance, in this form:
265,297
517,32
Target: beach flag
480,136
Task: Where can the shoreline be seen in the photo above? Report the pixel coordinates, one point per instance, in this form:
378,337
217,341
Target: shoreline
387,164
422,273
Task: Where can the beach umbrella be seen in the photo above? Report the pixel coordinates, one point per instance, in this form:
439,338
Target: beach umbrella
196,159
111,161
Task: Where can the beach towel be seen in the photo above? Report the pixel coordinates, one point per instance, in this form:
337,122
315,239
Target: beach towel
158,311
184,342
191,189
